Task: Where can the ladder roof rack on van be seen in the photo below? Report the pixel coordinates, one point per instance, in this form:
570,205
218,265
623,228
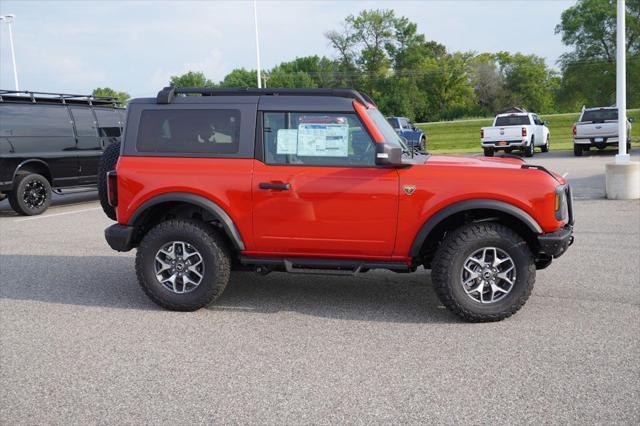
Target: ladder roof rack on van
24,96
167,94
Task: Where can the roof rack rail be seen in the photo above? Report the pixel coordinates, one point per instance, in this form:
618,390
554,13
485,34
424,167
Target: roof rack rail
49,97
167,94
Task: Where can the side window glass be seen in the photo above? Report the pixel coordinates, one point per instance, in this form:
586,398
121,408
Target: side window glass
34,120
108,122
199,131
405,124
316,139
85,123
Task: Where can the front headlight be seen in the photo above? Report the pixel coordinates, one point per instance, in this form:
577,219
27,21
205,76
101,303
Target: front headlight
561,203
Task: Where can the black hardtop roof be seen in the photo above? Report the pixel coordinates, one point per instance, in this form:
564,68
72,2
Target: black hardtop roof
168,94
48,98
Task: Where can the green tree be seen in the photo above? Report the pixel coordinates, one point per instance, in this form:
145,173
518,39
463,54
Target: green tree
122,97
191,79
240,77
588,70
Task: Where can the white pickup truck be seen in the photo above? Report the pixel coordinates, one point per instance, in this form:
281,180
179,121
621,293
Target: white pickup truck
597,127
519,130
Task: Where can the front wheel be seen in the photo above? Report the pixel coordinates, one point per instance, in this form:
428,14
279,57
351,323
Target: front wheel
483,272
31,194
182,265
423,143
546,146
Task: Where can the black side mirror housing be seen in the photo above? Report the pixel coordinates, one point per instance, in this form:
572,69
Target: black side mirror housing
388,155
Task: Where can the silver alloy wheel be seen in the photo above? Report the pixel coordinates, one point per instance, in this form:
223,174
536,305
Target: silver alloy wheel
179,267
488,275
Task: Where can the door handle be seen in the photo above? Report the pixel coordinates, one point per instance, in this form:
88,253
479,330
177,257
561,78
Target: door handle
276,186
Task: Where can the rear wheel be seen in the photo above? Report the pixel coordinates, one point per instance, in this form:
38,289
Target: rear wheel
488,152
31,194
577,150
182,265
483,272
107,163
529,150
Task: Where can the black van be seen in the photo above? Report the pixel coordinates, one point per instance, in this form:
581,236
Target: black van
52,140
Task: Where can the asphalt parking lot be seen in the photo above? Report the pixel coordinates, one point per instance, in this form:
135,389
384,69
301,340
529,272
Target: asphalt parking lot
81,343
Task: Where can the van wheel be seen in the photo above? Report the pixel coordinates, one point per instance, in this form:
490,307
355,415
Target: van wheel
182,265
530,149
488,152
31,194
483,272
577,150
545,147
108,162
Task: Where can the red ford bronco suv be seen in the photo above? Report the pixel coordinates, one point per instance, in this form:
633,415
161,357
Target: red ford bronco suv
315,181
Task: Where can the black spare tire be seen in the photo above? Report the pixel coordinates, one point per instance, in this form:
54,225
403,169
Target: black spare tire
107,163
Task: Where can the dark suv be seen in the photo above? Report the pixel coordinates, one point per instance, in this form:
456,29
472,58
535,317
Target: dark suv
318,182
52,140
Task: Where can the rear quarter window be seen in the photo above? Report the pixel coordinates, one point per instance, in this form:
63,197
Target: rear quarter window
189,131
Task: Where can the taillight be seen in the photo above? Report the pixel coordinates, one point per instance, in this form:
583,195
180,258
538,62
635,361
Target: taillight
112,188
482,133
574,130
524,131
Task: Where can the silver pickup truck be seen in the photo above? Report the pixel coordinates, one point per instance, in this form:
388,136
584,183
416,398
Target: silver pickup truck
597,127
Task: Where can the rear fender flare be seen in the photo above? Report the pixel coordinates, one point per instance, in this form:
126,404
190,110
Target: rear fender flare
211,207
476,204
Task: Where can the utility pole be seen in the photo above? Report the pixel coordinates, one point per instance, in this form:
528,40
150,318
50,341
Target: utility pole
9,20
255,21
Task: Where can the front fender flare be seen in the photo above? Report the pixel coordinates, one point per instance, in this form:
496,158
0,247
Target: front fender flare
475,204
215,210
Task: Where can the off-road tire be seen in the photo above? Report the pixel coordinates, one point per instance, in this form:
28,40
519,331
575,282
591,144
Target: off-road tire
215,254
577,150
488,152
16,196
545,147
530,149
423,144
449,260
108,162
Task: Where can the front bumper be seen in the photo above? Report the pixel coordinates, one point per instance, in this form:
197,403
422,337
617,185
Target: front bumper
554,244
119,237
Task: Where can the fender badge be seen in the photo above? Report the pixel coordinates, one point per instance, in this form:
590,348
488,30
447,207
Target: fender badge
409,189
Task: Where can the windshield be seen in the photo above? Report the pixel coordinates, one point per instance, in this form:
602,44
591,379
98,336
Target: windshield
512,120
393,122
390,135
600,115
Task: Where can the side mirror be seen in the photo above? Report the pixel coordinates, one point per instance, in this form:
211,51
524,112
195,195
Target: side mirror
631,119
388,155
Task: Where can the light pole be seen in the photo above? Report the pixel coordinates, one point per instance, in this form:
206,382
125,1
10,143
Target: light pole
9,20
621,84
255,21
622,177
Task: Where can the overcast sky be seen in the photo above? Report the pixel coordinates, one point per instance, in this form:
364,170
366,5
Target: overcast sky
135,46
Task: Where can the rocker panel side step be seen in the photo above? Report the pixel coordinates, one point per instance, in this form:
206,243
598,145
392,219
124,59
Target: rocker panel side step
323,266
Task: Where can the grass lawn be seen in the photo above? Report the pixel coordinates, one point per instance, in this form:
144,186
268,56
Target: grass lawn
464,135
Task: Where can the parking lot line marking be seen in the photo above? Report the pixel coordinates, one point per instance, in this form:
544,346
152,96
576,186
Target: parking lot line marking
57,214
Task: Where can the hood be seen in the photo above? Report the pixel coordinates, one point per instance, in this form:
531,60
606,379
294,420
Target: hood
476,161
487,162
